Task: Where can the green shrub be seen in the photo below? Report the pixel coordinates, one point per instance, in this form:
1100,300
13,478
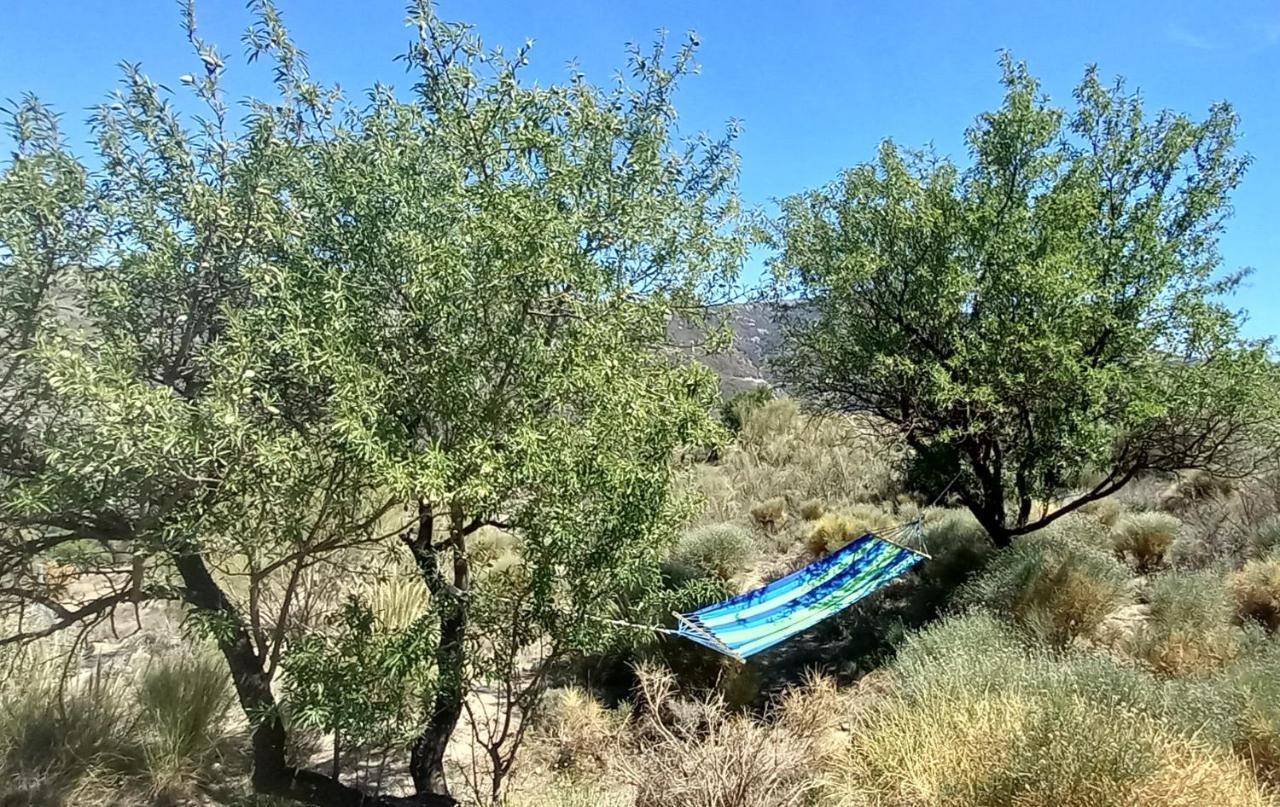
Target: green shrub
1145,538
720,551
975,719
1053,586
183,705
738,409
959,547
1266,538
1190,630
1254,688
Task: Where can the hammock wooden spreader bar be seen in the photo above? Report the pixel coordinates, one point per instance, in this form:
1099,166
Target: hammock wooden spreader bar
756,620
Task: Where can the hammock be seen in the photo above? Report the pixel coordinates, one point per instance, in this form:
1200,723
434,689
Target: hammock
744,625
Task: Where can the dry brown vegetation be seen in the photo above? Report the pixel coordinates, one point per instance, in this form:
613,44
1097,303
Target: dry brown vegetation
1124,656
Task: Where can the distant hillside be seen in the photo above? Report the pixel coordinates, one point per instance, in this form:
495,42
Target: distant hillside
745,364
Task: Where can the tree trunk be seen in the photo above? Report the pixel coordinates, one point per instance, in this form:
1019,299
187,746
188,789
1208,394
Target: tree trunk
426,761
987,505
272,775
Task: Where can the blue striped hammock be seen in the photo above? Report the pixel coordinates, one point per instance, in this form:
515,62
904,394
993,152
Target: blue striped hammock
744,625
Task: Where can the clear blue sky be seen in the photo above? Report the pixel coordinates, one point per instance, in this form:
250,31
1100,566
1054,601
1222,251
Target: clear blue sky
816,84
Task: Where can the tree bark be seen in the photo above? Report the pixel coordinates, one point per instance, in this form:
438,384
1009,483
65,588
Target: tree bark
426,760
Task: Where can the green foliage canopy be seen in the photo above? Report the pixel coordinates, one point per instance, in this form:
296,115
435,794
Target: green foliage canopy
1052,310
355,332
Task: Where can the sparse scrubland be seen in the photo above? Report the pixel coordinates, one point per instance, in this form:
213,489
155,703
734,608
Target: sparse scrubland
345,458
1063,671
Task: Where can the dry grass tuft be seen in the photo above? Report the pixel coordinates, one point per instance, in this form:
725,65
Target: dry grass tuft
812,509
1055,587
1256,590
700,754
1106,511
576,731
834,530
1145,538
717,551
770,514
1189,631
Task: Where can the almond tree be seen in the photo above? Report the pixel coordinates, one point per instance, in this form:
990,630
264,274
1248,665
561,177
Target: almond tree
1046,320
239,353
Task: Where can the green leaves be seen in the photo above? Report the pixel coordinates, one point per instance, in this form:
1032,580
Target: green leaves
1033,311
243,351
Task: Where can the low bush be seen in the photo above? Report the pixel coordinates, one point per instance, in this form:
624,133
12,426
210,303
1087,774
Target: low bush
718,551
1145,538
959,547
1055,587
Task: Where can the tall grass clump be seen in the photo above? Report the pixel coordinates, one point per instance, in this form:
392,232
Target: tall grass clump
1054,586
976,719
1253,688
56,740
1145,538
1189,631
1256,591
183,705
